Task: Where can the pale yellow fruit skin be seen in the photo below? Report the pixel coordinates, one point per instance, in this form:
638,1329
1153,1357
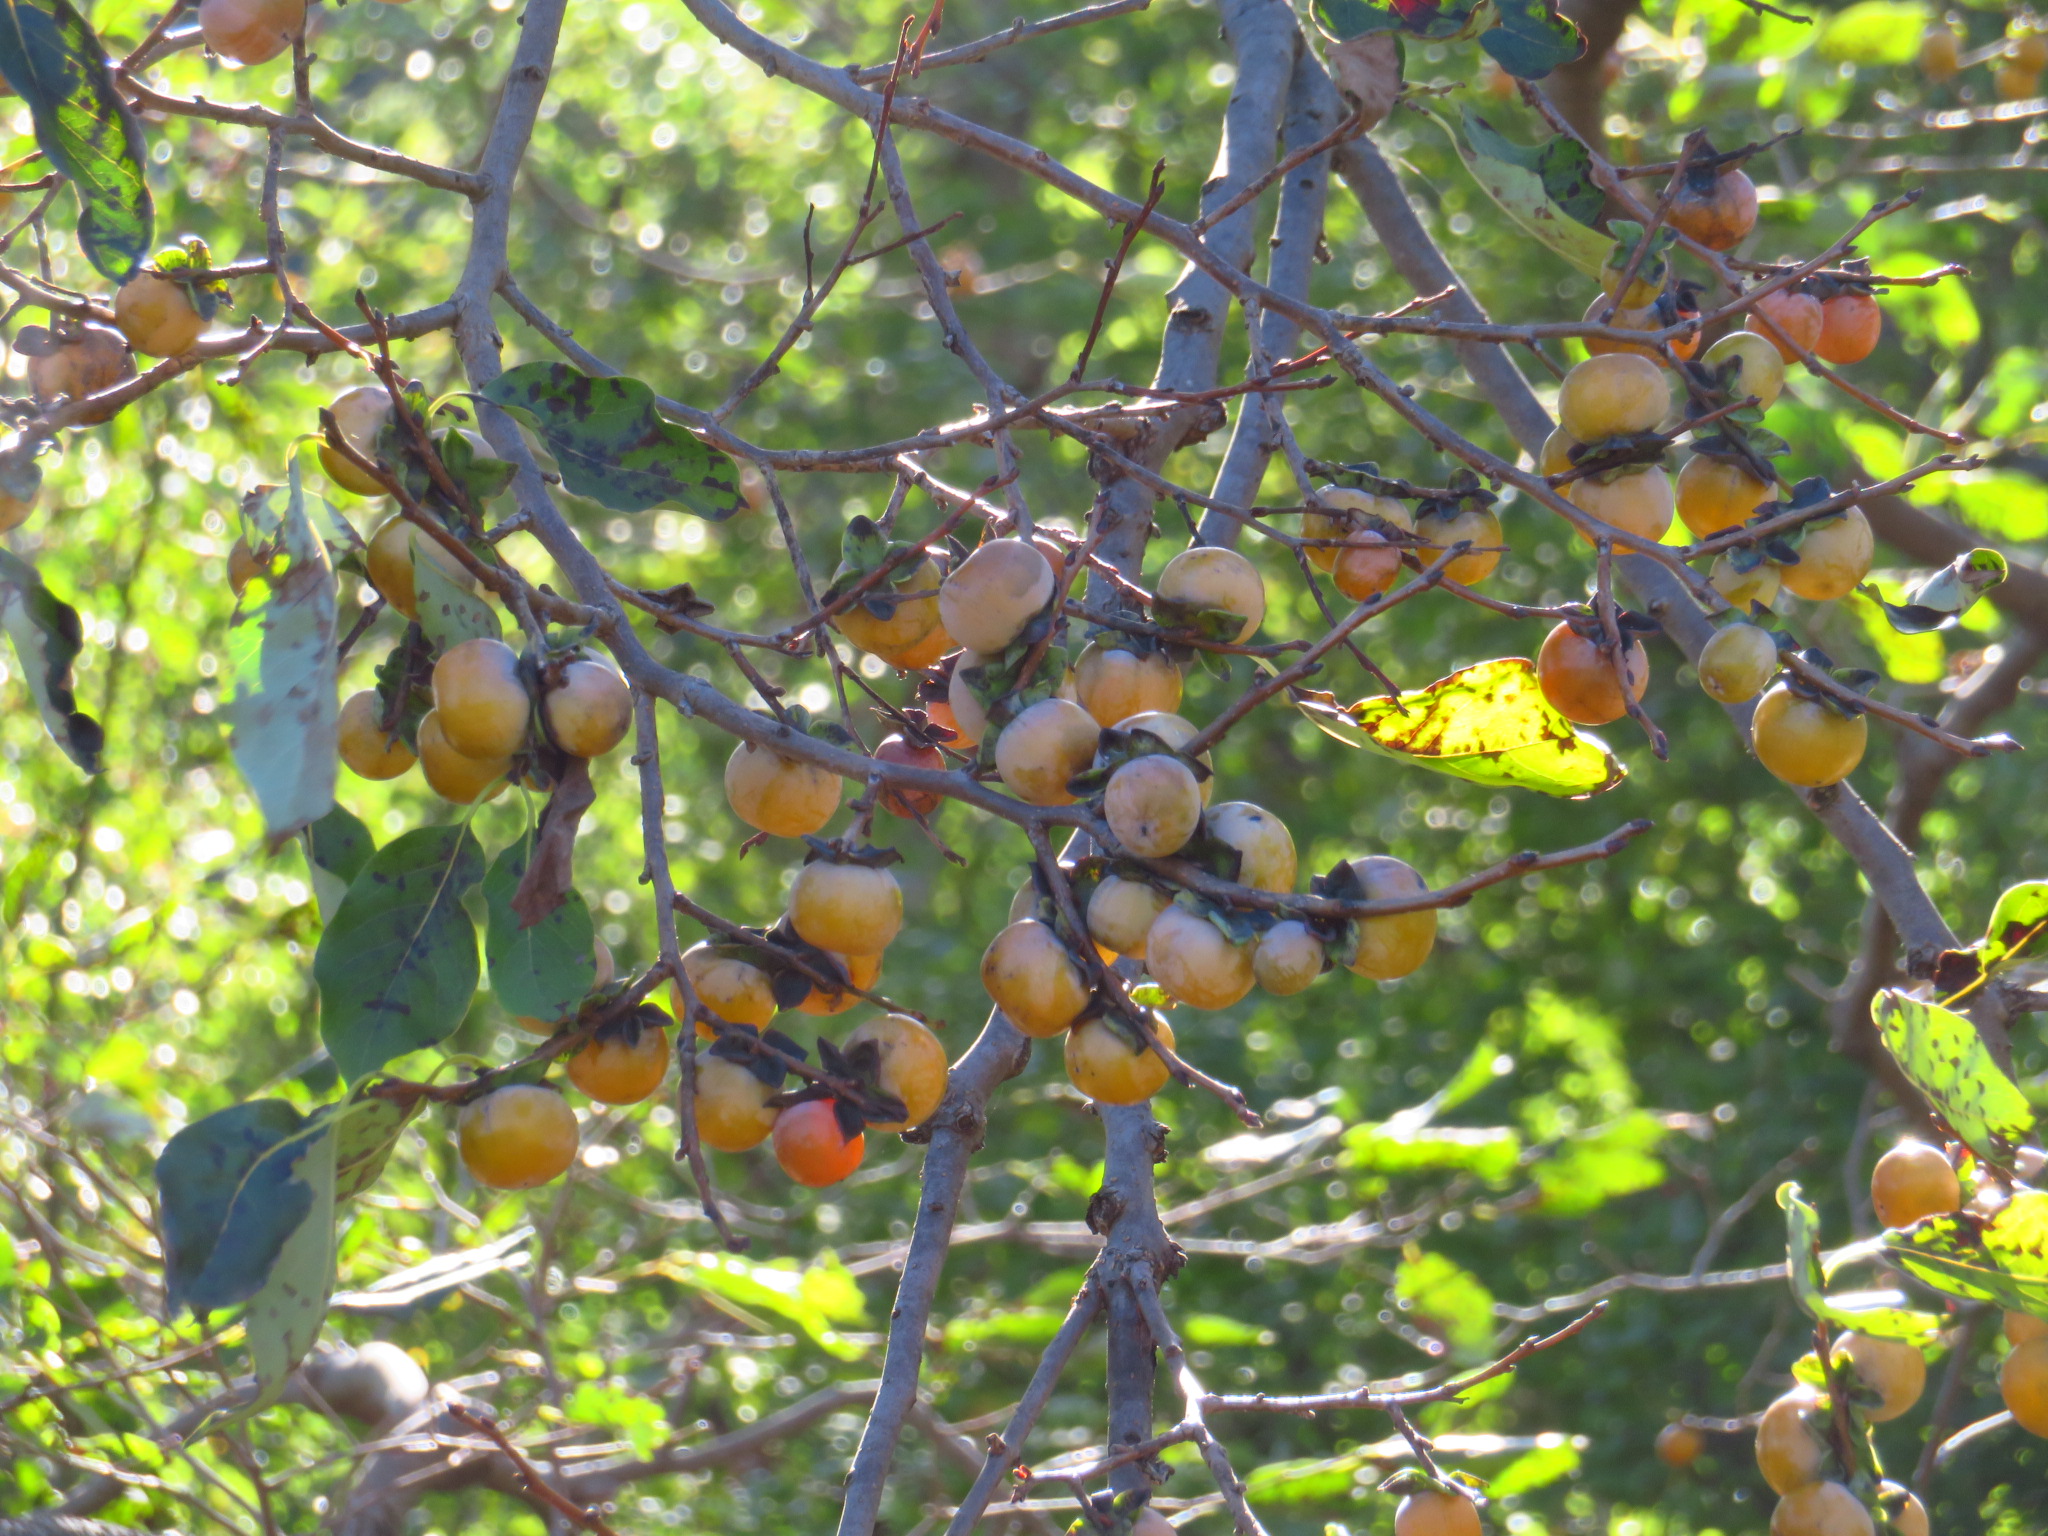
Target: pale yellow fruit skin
251,31
1153,805
1120,914
2023,1383
1216,578
1821,1509
1192,959
846,908
455,775
1641,502
997,590
360,414
1737,663
2024,1328
1031,977
93,359
1742,588
1897,1370
1288,959
359,737
1391,947
157,315
390,557
591,711
543,1122
14,511
1612,396
1176,731
907,626
1102,1065
1470,525
1327,525
970,720
1555,455
1788,1453
1763,368
737,992
1833,558
1112,683
732,1115
1044,747
1781,712
1714,495
1913,1180
1261,839
1907,1514
1429,1513
481,700
862,971
779,795
911,1054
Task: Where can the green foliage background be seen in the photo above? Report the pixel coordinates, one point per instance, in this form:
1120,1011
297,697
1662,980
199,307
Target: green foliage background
1622,1050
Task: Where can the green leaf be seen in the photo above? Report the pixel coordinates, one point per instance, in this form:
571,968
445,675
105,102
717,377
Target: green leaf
47,636
281,658
337,846
1491,1153
613,446
1947,1060
2019,918
1873,32
231,1194
397,965
58,66
283,1319
1875,1313
1538,1468
1531,39
1601,1164
782,1289
1346,19
1448,1300
365,1131
639,1420
1546,188
1031,1327
448,611
2003,1260
544,971
1488,723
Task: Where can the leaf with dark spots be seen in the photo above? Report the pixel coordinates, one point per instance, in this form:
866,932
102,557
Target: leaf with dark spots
1488,723
1546,188
282,660
2002,1259
54,61
543,969
2019,919
397,965
1869,1312
550,877
1531,39
230,1197
613,446
338,845
48,636
1947,1060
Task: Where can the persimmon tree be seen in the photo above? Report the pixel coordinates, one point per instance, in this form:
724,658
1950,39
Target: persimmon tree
555,655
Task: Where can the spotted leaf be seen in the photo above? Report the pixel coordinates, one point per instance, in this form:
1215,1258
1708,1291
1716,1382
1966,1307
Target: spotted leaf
613,446
1488,723
1947,1060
